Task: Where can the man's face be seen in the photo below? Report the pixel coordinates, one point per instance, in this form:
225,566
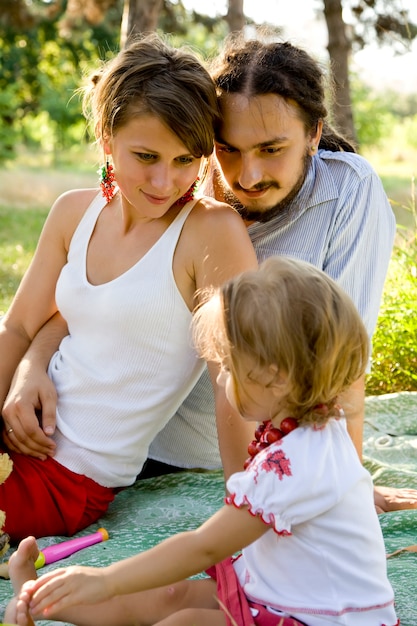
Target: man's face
263,151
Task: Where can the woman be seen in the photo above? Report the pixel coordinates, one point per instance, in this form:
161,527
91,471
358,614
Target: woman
124,268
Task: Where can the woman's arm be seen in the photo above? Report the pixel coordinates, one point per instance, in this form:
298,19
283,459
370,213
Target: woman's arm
34,303
30,406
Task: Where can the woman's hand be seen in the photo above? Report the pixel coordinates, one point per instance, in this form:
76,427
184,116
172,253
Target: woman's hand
29,412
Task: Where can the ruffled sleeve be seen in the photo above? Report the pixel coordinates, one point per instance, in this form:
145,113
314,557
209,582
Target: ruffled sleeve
297,478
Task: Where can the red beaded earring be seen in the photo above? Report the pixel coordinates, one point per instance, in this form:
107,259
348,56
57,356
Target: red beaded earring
189,195
107,181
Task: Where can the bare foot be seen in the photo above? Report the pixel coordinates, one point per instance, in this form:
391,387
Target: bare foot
18,610
394,499
21,569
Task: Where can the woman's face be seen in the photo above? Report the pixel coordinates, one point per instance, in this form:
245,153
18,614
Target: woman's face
153,168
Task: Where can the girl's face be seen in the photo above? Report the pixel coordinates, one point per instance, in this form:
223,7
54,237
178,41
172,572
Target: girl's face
153,168
257,399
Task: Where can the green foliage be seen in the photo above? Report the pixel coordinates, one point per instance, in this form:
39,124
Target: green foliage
372,115
40,69
410,128
378,116
403,107
44,61
394,363
9,134
19,234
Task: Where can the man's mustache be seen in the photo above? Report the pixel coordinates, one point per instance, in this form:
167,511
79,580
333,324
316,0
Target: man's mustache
257,187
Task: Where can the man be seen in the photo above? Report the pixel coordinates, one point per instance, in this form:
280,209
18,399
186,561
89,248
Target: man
303,192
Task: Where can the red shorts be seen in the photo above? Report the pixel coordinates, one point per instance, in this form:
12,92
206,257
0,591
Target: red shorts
238,607
43,498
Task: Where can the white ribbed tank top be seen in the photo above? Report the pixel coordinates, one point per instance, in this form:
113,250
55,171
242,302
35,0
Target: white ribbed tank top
128,361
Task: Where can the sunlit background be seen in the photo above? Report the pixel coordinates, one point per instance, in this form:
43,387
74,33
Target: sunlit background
304,25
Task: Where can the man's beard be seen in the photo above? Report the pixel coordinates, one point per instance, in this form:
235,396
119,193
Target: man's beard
264,215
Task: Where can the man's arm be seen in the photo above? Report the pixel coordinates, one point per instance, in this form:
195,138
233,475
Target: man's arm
29,409
353,404
365,232
386,498
233,431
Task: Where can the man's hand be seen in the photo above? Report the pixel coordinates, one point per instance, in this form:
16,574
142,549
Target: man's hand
29,412
393,499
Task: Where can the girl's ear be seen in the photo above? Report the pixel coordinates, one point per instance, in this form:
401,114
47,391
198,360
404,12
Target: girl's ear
279,380
106,146
103,139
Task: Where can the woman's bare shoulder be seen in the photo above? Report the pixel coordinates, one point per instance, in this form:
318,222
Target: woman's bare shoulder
219,226
75,199
68,210
207,203
210,210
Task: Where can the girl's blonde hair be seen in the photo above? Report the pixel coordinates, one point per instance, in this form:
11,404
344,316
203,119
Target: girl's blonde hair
292,316
151,77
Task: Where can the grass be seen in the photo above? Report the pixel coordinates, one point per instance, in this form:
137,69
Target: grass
394,358
18,237
30,186
394,365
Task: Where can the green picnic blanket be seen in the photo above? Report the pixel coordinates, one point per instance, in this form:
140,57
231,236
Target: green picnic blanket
153,509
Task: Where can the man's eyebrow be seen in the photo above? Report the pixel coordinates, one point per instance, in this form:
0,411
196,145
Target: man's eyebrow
263,144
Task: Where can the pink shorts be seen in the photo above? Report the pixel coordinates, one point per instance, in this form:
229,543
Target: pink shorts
238,607
44,498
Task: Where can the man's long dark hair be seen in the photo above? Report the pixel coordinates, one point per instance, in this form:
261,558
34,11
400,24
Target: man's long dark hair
256,68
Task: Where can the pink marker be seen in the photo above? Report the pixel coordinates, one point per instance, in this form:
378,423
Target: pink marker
62,550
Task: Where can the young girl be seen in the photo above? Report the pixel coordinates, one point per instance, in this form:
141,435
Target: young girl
289,341
124,271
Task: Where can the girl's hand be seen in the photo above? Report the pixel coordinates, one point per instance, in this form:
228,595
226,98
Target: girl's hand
62,588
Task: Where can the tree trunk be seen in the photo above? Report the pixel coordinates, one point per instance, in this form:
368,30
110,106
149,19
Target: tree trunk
139,16
235,17
339,51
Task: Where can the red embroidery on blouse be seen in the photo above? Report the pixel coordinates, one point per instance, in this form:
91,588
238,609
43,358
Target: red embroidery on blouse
275,461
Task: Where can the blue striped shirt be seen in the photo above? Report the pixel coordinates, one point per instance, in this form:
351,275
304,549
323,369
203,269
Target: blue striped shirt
341,221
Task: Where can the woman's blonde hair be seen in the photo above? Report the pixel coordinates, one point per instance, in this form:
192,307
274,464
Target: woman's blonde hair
151,77
292,316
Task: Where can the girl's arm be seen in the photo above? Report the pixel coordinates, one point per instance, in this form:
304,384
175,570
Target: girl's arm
175,559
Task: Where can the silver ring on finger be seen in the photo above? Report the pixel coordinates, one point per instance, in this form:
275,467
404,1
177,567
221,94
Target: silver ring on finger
9,430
